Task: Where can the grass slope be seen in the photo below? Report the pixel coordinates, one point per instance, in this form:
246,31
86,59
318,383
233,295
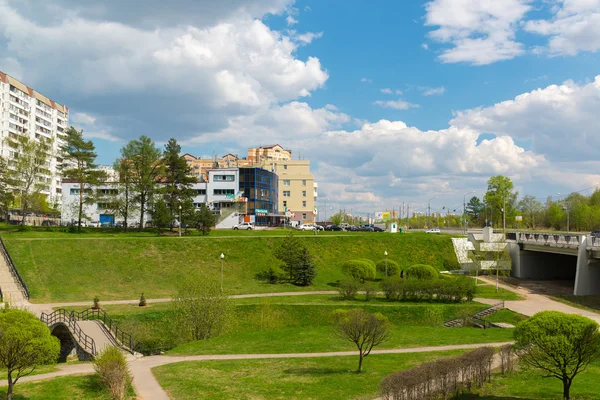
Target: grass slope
330,378
59,270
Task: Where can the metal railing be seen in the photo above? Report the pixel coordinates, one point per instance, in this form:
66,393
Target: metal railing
13,270
65,317
550,239
123,338
478,319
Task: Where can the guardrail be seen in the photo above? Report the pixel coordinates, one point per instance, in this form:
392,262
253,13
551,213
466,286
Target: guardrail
63,316
123,338
549,239
13,270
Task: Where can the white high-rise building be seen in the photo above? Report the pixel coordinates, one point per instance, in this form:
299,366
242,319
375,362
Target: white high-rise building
24,111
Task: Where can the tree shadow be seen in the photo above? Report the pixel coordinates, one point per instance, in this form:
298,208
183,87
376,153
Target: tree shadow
483,397
315,371
334,284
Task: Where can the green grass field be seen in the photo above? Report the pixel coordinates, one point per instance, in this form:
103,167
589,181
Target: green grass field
489,292
123,267
86,387
330,378
529,385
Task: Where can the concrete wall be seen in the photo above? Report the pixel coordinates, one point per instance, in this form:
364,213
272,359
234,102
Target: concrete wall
587,279
540,265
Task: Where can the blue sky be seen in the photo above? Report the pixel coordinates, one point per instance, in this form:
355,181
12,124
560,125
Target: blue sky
393,101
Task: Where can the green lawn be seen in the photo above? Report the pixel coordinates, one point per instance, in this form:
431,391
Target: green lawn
529,385
590,303
122,268
86,387
266,325
489,292
41,369
327,378
506,315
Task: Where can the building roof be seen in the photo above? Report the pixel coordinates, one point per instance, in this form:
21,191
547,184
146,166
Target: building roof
32,93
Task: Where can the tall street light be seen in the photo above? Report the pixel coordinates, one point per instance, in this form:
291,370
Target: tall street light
180,220
429,211
385,254
222,256
566,208
465,210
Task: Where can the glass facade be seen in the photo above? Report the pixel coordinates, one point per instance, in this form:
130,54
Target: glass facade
260,187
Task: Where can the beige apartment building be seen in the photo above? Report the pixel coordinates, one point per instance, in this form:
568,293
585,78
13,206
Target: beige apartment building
266,154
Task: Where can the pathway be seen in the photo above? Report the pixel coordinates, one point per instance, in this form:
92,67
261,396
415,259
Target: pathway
148,388
11,289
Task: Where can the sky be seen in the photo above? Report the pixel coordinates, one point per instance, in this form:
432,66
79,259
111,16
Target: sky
392,101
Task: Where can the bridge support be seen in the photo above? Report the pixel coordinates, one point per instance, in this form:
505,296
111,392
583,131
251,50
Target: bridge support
68,345
527,264
587,278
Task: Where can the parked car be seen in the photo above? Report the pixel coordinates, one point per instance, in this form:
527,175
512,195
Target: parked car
306,227
333,228
244,225
320,228
432,230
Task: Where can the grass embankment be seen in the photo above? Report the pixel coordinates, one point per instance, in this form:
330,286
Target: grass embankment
489,292
122,268
85,387
589,303
328,378
528,384
277,325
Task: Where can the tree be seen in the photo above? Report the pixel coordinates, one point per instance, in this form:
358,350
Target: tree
363,329
530,207
78,165
289,253
205,219
473,209
556,216
161,215
177,177
25,343
561,345
145,167
122,199
29,169
500,195
306,269
200,309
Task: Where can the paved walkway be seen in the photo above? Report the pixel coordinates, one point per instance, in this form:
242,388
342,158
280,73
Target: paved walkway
148,388
11,289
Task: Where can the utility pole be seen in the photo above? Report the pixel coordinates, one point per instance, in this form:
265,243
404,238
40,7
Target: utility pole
429,210
465,210
504,211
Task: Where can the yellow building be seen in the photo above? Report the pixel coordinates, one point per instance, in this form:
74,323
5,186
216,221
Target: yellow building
266,154
297,189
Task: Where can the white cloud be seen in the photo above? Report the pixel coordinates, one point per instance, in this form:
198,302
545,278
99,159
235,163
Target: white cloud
396,104
290,20
366,80
434,91
386,91
425,46
82,118
308,37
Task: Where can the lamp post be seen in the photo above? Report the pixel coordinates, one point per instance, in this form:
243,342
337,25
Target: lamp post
465,210
180,220
566,208
385,254
429,210
222,256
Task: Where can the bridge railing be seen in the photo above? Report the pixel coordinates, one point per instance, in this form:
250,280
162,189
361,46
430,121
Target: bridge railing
13,270
63,316
123,338
549,239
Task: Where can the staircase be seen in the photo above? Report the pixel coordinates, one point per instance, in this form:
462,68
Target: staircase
12,287
477,319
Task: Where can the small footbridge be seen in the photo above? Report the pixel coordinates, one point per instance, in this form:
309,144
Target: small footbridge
87,333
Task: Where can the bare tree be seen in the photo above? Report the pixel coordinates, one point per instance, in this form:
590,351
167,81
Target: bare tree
363,329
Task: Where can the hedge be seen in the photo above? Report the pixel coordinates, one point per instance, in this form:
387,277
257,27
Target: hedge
439,290
359,269
393,269
421,271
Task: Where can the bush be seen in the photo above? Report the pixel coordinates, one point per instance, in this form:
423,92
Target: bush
348,289
450,263
370,291
142,301
359,269
393,269
268,275
421,271
438,290
111,367
96,305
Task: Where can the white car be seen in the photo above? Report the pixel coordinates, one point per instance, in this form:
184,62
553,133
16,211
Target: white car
244,225
307,227
434,230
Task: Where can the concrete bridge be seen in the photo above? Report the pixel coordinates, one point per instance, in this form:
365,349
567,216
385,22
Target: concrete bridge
557,256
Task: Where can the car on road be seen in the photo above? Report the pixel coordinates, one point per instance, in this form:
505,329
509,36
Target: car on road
432,230
333,228
306,227
244,225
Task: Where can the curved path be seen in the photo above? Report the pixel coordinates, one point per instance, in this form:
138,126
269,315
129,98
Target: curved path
148,388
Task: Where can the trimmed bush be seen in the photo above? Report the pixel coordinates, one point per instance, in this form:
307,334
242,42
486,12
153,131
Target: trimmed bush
393,269
421,271
359,269
437,290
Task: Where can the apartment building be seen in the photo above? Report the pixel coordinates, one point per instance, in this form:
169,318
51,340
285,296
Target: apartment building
266,154
297,189
26,112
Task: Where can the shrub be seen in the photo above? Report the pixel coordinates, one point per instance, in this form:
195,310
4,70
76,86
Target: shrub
142,301
268,275
348,289
96,305
392,288
438,290
450,263
421,271
111,367
359,269
370,291
393,269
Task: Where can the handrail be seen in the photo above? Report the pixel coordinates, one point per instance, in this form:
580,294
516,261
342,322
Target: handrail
123,338
13,270
63,316
476,318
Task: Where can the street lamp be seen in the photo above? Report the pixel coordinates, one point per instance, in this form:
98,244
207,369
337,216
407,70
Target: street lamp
385,254
180,220
222,257
566,208
429,210
465,210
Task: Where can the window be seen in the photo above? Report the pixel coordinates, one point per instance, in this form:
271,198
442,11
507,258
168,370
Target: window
223,192
303,182
200,192
304,193
286,193
285,203
304,203
108,191
223,178
303,216
284,166
286,183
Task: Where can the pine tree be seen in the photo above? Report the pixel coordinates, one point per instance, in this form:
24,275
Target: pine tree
206,219
305,270
177,177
